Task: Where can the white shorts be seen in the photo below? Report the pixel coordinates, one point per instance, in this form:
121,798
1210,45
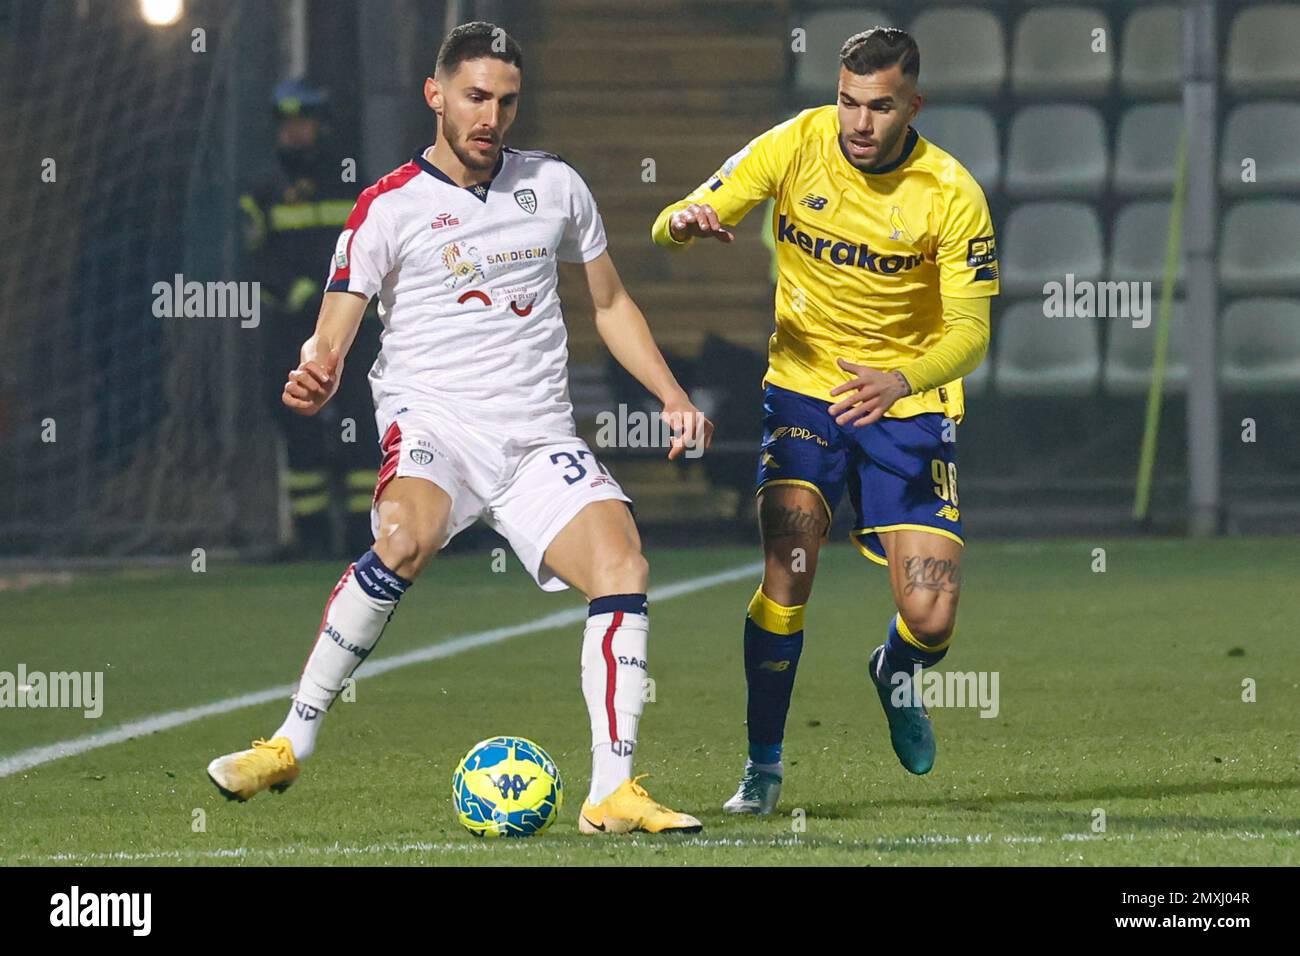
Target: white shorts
526,489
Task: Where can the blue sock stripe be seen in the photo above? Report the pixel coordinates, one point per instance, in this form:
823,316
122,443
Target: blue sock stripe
377,580
627,603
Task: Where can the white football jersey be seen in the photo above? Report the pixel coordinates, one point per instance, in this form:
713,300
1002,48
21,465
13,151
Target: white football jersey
468,290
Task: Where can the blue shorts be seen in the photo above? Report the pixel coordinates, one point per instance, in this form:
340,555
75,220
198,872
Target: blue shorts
901,474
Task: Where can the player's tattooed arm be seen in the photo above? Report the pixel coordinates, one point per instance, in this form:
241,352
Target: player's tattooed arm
931,574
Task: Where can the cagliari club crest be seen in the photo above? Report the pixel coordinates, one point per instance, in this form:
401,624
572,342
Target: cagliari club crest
527,200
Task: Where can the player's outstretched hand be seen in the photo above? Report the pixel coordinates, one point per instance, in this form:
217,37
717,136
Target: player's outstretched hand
867,395
312,384
691,430
698,220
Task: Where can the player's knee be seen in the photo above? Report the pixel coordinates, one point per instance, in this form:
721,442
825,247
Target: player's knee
406,551
628,569
788,572
931,625
622,570
785,586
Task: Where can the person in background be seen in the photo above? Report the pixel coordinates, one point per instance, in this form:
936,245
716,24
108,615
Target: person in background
291,220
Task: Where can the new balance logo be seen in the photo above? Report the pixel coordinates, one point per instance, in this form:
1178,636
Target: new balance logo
948,512
817,203
776,666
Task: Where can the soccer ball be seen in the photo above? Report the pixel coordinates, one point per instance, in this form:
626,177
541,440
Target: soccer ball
506,787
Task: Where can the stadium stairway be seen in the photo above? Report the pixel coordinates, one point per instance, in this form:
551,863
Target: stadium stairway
646,113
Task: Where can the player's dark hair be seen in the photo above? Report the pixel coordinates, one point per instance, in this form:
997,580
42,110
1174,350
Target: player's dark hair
880,48
475,40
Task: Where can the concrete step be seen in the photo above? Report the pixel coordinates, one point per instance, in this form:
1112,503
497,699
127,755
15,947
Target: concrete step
667,61
689,97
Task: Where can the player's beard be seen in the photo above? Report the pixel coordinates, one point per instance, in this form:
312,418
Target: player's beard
469,159
883,149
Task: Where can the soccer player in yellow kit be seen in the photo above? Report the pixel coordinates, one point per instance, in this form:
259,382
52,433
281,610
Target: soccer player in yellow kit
886,261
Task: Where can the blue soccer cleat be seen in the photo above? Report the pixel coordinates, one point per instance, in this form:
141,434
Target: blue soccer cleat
909,725
758,793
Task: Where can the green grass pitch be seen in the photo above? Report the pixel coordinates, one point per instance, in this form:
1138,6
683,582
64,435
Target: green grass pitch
1120,691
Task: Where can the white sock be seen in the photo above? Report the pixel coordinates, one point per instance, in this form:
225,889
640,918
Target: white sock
301,725
358,609
777,768
613,677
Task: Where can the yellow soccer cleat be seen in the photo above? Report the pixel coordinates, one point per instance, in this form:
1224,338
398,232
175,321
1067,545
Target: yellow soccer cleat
269,764
630,808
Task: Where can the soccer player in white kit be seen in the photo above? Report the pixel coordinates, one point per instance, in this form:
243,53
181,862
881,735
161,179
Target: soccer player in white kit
471,397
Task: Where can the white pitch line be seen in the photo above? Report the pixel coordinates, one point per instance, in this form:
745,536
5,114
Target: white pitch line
488,846
27,759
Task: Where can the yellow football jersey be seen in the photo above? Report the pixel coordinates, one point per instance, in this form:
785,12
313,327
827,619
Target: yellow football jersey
862,258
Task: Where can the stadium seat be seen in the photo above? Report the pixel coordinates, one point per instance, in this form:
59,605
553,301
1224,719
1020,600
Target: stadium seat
1056,150
1261,345
1139,242
1130,352
1047,240
816,69
1041,356
1259,251
1262,50
1151,61
1052,54
1268,133
963,51
1146,147
970,134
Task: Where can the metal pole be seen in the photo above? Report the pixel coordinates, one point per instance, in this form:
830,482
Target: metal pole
295,39
382,89
1200,113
